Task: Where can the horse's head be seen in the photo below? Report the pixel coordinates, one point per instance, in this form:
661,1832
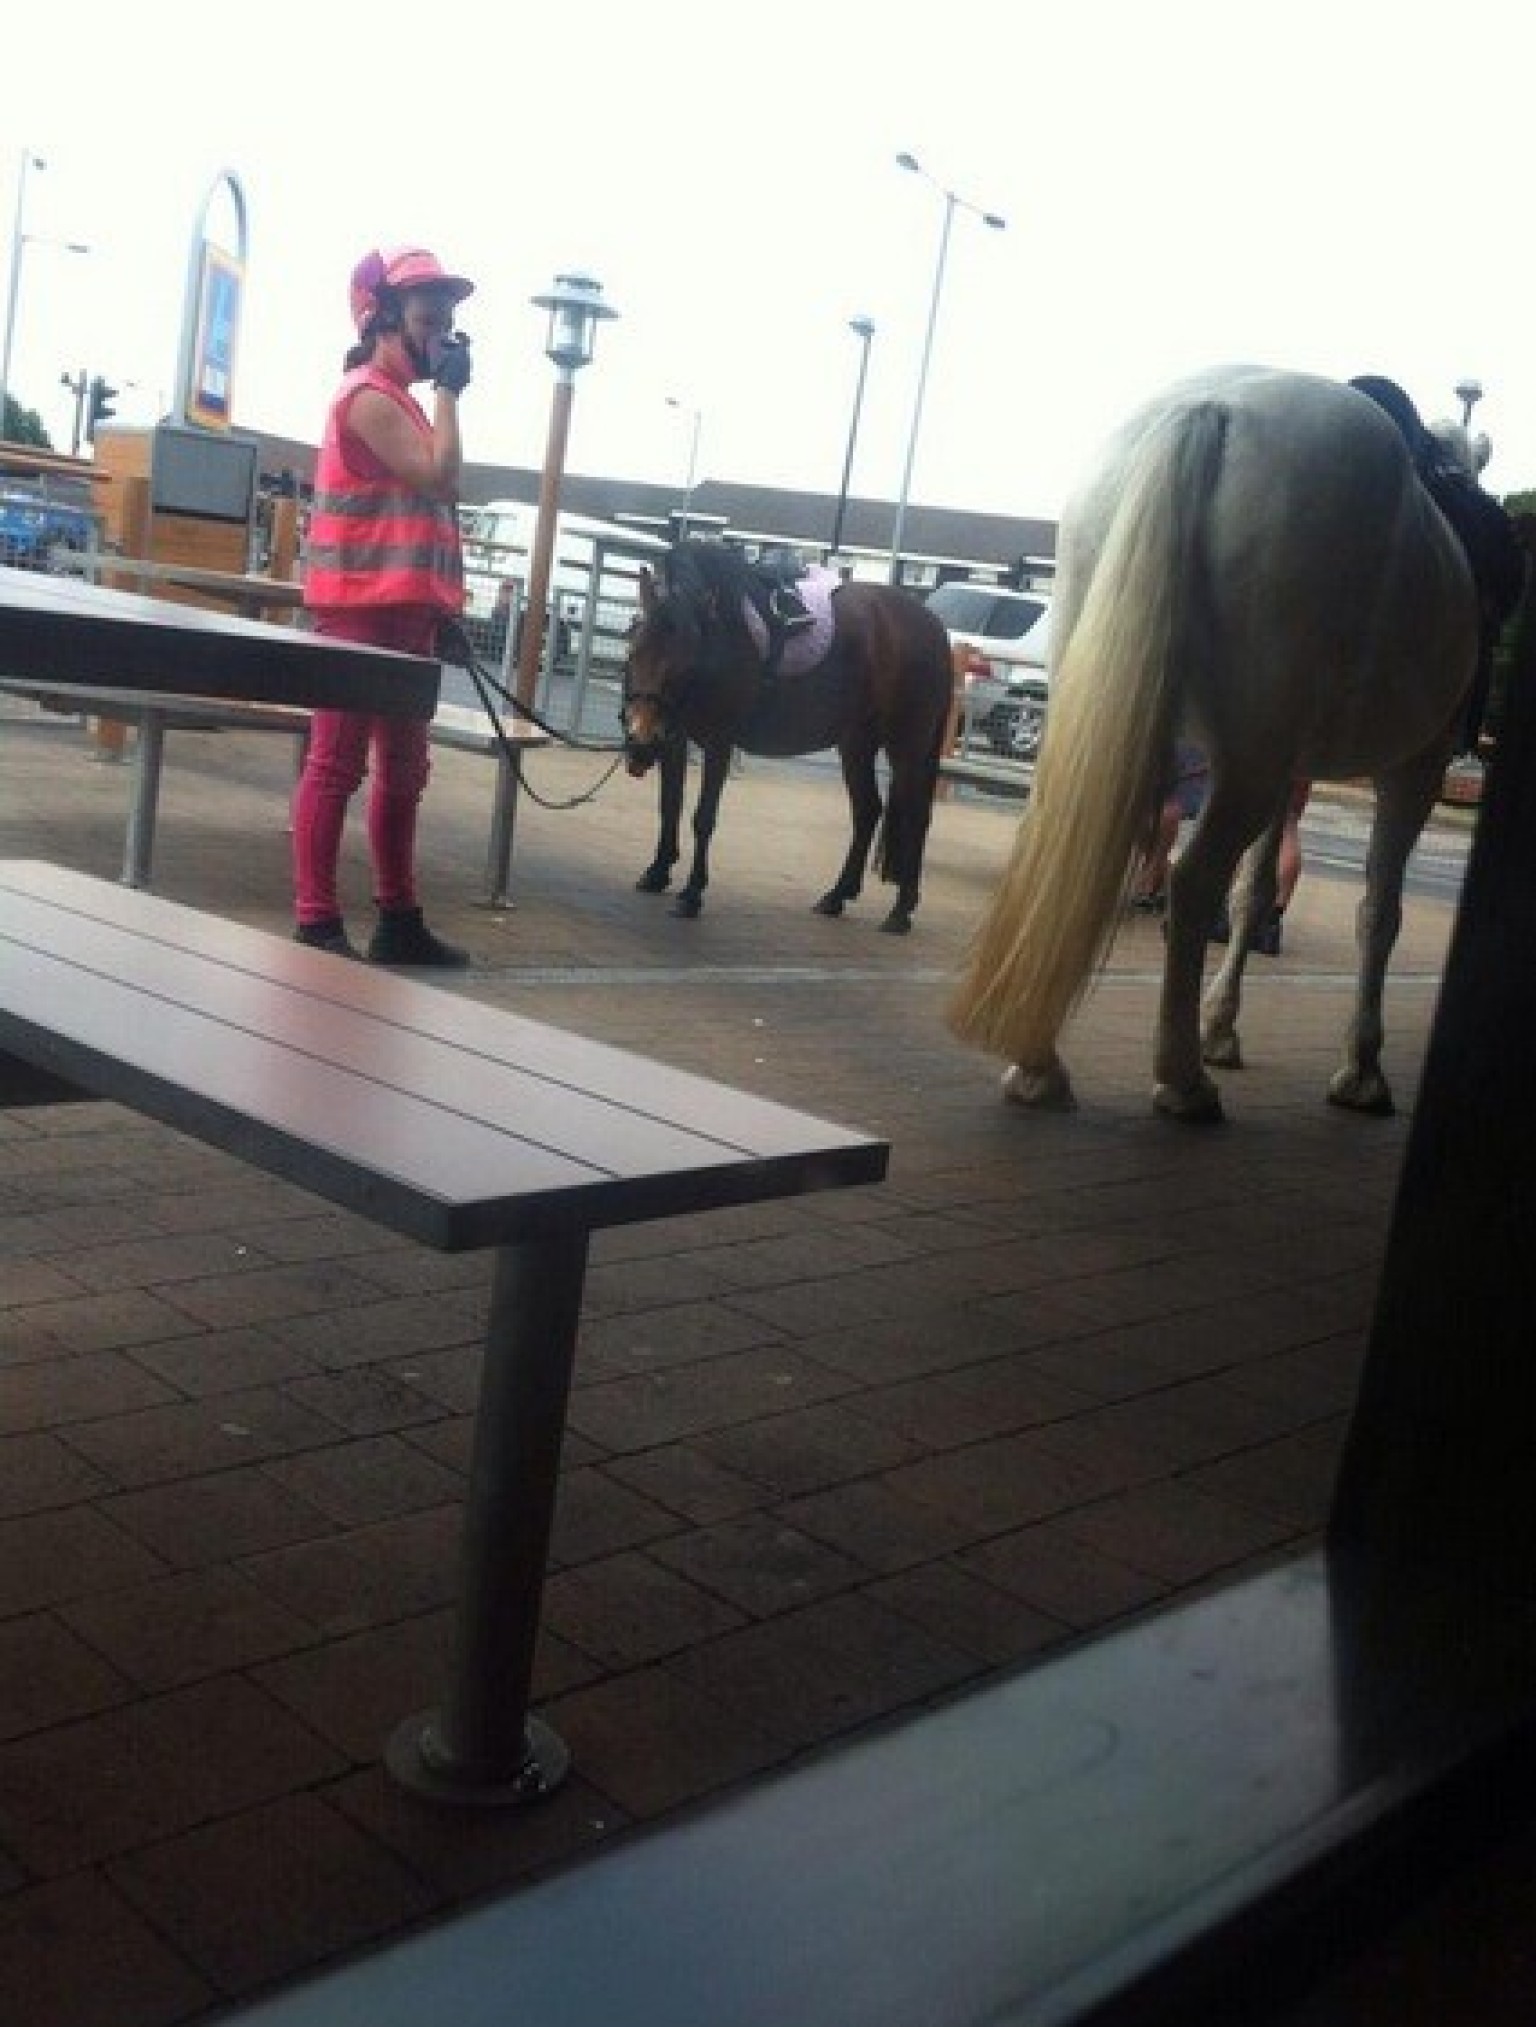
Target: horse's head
666,645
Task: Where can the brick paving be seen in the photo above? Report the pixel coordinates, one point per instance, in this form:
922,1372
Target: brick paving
828,1460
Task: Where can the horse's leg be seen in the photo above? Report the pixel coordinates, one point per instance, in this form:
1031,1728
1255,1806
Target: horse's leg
1040,1087
1404,799
671,779
908,812
1197,885
716,766
864,805
1249,904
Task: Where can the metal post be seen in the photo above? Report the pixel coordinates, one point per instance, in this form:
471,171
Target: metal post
865,330
950,201
28,161
77,383
531,640
482,1747
685,518
530,647
139,845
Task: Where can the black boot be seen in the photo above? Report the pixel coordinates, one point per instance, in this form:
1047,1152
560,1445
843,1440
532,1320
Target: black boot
328,935
403,938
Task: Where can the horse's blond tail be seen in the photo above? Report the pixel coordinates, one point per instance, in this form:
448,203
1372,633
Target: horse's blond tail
1114,697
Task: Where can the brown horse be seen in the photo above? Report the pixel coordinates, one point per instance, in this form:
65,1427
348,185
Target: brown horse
695,673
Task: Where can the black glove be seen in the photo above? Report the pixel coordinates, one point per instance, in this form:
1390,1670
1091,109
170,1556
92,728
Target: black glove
454,366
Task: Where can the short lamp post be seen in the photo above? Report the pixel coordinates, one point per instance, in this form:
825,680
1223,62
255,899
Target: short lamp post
952,203
863,329
576,308
1469,393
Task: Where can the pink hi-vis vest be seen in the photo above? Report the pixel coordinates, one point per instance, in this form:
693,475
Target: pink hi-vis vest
372,541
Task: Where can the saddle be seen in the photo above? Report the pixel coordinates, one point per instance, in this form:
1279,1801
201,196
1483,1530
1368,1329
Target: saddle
1487,535
1495,554
777,602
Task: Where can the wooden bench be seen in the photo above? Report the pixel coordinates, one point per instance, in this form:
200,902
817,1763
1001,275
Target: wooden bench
458,1125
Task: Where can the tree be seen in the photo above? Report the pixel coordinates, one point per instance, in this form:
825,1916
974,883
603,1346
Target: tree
23,425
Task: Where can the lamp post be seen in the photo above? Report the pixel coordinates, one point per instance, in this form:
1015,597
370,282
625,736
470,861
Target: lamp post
27,162
1469,393
953,202
863,329
20,238
683,520
576,308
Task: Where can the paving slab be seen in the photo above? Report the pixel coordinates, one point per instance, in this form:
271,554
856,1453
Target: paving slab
829,1460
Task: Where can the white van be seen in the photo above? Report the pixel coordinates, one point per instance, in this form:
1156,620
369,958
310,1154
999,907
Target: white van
498,546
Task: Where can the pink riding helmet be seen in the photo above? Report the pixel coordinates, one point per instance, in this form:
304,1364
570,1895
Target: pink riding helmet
381,274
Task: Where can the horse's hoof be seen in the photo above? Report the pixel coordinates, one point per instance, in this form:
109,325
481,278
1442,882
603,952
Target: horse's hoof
897,923
1222,1050
652,883
829,904
1200,1105
1039,1090
688,906
1362,1091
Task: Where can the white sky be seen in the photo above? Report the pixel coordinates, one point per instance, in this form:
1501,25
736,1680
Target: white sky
1338,185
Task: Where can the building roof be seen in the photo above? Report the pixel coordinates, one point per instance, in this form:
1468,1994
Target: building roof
940,535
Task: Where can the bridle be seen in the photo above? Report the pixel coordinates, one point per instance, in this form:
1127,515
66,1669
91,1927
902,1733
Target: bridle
667,699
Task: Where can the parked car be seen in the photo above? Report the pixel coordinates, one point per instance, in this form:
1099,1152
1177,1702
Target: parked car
1000,641
33,525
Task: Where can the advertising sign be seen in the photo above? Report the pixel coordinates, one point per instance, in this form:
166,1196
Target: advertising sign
210,397
210,316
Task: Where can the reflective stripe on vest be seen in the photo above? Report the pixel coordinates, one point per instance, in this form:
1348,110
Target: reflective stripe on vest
374,541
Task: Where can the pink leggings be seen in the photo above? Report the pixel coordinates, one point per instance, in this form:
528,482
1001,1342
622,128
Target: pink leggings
340,743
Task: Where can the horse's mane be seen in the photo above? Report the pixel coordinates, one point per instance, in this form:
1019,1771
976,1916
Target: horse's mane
707,575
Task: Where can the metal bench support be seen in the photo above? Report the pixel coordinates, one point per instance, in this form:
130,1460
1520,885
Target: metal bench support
481,1746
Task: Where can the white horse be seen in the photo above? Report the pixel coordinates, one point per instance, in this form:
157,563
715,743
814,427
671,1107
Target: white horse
1256,566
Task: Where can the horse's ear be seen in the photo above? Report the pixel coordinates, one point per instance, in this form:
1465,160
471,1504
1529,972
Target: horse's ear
647,590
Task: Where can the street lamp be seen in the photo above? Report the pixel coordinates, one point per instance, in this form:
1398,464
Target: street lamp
953,202
20,238
863,329
1469,393
576,308
683,519
28,161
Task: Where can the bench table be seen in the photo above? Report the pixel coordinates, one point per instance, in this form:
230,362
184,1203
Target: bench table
153,716
456,1124
59,629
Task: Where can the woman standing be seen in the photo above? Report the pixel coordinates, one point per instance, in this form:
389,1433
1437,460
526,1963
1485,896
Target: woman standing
383,567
